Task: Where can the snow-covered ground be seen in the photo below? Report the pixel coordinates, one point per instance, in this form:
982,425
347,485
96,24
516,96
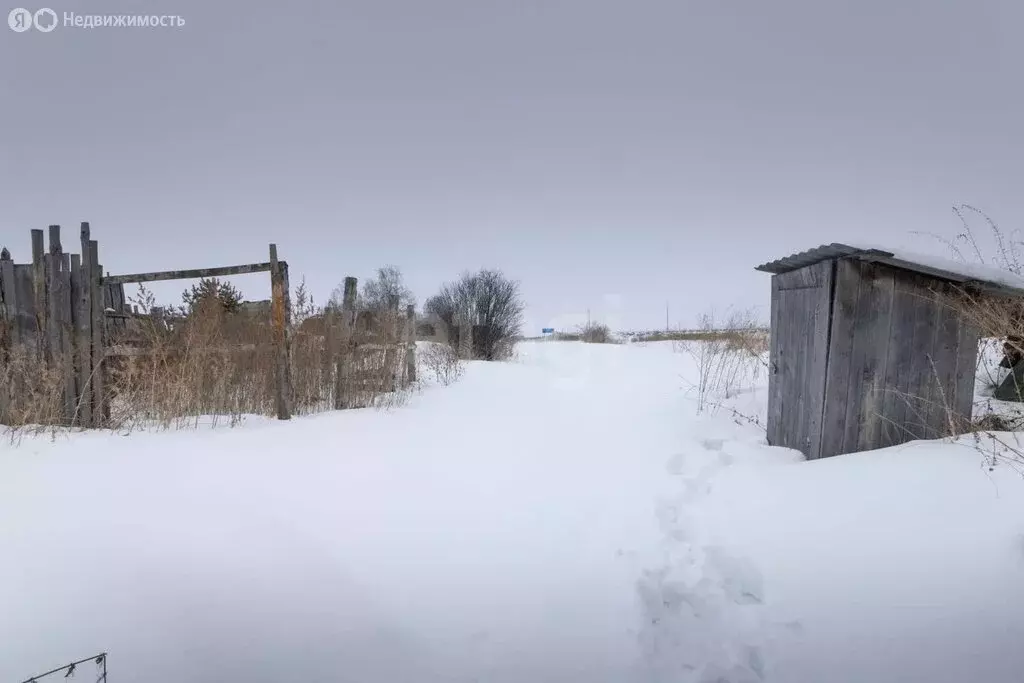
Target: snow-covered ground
564,517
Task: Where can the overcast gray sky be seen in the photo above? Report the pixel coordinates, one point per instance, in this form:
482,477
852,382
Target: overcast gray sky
616,156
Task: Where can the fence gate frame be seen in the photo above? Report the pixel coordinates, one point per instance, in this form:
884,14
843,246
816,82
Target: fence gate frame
280,311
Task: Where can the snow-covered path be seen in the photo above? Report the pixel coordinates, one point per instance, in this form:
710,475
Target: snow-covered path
492,530
565,517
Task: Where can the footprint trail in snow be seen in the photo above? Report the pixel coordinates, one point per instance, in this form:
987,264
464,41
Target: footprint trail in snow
700,605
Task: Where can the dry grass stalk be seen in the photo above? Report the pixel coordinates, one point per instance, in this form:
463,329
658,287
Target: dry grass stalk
31,393
730,358
442,362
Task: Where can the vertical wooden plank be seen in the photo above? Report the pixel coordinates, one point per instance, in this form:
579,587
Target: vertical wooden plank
100,407
871,354
327,356
964,377
919,390
108,297
27,323
837,384
776,368
10,301
344,391
278,325
953,413
39,286
791,307
53,263
9,337
410,344
348,304
817,337
796,305
289,384
897,362
939,412
65,301
75,273
85,362
391,341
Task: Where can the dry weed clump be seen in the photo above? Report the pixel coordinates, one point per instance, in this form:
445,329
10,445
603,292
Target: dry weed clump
212,364
217,366
730,357
171,370
597,333
441,361
32,392
994,425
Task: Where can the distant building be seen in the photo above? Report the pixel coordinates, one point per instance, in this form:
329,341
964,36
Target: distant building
255,307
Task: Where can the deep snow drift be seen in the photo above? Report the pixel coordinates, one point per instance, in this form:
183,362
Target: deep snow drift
566,517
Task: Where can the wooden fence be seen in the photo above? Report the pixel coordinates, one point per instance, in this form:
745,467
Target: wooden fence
55,307
62,309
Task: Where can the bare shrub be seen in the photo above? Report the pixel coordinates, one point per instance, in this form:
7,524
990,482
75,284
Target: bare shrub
487,301
442,362
597,333
729,357
377,292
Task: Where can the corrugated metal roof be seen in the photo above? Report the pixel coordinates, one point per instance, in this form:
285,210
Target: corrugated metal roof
836,250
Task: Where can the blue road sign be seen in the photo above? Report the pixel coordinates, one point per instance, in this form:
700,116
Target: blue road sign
548,330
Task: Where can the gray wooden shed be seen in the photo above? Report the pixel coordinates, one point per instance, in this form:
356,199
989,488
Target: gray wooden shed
868,349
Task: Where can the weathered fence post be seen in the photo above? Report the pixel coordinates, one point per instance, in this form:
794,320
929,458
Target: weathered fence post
391,341
52,262
66,302
75,338
410,344
57,313
39,287
51,269
85,363
330,348
9,289
346,355
289,383
279,324
8,327
100,403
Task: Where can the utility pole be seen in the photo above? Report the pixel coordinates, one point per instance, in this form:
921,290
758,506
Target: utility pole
667,330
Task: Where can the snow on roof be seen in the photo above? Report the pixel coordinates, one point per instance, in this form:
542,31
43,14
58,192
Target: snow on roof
936,266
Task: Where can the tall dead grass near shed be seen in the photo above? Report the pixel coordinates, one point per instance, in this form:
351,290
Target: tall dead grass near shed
730,356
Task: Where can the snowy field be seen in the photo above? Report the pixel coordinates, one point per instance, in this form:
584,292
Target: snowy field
564,517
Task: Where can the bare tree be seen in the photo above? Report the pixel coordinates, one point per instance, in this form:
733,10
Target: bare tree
387,283
490,303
